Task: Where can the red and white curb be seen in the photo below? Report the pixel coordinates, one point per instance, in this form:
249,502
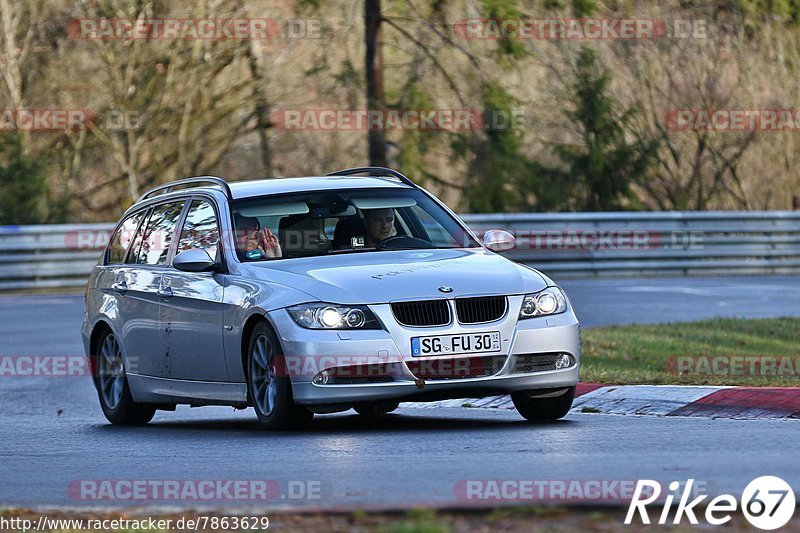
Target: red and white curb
663,400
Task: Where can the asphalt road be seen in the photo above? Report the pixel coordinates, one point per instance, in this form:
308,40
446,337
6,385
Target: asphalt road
659,300
413,457
53,435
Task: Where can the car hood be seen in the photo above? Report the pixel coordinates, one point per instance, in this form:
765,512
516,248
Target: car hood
389,276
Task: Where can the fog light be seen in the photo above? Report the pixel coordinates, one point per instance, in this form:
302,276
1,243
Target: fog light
323,378
564,360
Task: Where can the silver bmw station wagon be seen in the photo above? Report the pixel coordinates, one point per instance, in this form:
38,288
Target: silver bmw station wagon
356,290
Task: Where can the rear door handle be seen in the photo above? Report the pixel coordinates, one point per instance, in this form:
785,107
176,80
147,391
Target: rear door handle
165,292
121,287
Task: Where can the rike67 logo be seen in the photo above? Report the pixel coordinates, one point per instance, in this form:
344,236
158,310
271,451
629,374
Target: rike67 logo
767,502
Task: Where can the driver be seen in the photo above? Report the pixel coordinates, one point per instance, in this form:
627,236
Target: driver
379,224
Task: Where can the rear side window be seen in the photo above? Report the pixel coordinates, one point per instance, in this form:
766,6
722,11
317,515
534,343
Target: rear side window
122,239
157,236
200,229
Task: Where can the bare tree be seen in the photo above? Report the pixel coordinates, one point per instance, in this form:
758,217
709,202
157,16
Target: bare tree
17,24
192,100
696,166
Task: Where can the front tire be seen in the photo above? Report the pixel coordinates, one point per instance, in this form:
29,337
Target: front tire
542,409
111,382
268,390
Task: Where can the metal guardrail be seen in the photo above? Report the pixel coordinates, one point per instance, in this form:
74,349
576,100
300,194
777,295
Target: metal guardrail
50,256
560,244
670,243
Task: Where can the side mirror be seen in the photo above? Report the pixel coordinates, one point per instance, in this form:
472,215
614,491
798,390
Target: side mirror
498,240
194,260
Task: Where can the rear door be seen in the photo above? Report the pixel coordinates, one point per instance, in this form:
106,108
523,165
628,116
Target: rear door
191,317
139,282
115,303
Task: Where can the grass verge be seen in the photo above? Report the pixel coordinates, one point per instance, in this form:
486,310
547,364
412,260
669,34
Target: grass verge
711,352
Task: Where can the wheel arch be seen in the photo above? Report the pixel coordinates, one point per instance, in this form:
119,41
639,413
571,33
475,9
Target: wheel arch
100,328
247,333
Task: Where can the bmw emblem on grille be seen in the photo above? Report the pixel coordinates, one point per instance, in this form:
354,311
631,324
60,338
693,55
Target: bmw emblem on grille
445,289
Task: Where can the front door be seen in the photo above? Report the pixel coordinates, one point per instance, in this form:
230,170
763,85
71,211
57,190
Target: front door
191,316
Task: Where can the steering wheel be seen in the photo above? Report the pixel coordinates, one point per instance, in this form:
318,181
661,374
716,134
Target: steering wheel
401,242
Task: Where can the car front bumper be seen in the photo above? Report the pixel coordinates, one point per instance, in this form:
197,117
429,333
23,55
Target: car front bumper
409,391
311,351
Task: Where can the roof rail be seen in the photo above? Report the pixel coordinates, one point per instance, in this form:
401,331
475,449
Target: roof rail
167,187
374,171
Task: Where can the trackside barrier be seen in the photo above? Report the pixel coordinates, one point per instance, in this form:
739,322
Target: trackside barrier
564,245
675,243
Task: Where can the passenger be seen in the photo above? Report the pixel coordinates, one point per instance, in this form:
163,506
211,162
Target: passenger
259,243
263,244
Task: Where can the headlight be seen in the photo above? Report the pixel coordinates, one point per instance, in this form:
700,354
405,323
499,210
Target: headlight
550,301
331,316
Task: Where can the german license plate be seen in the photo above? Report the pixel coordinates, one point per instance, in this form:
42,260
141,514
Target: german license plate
464,343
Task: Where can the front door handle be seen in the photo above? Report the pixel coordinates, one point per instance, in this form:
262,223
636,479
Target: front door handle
165,292
121,287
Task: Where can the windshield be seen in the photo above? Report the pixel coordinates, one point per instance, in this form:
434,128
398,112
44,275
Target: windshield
331,222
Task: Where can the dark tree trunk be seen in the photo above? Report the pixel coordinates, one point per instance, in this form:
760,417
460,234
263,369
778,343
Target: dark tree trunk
260,108
374,73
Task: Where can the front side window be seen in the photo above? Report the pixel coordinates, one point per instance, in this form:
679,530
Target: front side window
321,223
157,235
122,239
200,229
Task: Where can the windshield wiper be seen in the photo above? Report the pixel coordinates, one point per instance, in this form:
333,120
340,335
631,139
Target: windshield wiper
352,251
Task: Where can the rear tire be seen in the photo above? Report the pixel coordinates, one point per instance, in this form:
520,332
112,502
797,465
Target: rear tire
376,408
270,392
542,409
111,382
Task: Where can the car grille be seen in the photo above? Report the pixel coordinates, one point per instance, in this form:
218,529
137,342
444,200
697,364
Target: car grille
456,368
422,313
538,362
478,310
